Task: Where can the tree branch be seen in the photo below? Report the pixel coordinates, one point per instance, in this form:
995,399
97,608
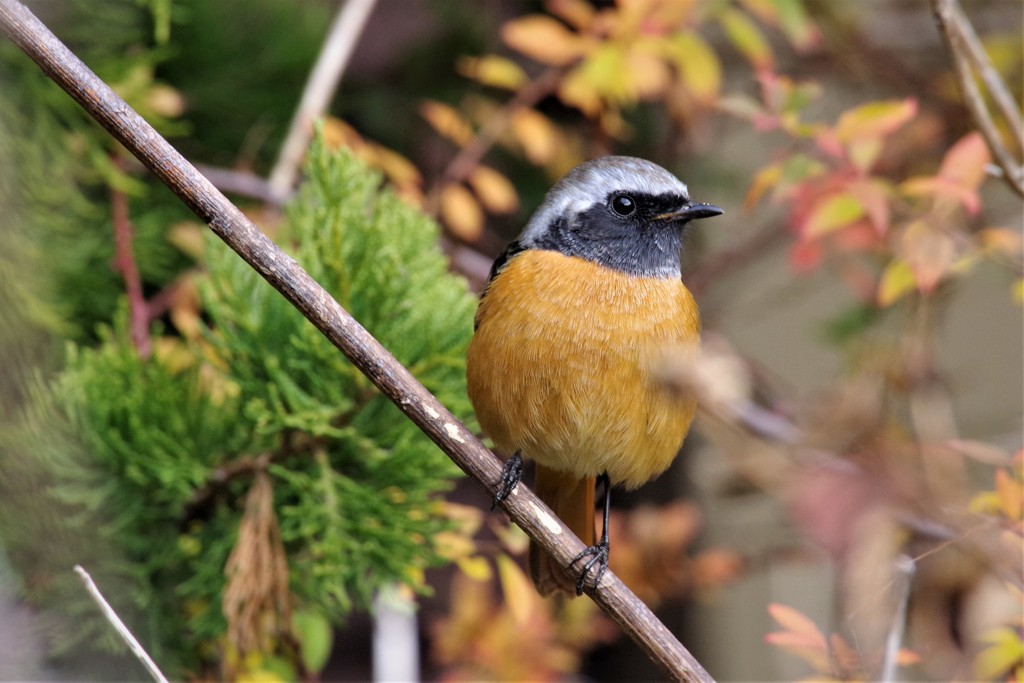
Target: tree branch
365,352
322,82
969,58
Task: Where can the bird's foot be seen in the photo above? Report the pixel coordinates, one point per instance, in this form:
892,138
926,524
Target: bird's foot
598,555
511,473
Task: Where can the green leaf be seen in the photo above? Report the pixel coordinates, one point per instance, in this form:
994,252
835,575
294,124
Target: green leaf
316,638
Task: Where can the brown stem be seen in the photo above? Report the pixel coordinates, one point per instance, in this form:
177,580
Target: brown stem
365,352
969,57
124,259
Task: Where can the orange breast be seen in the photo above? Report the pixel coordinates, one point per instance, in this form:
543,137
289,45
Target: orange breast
560,366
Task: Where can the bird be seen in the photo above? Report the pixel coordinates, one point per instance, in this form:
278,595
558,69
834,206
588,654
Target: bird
573,321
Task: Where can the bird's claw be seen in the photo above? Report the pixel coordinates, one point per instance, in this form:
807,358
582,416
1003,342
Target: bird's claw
511,473
598,556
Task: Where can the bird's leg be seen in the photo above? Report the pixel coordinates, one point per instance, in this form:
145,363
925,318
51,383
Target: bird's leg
598,554
511,473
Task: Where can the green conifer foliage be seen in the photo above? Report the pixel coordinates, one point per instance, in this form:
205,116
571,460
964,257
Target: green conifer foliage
157,458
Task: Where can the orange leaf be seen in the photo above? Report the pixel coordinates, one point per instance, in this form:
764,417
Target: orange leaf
536,133
494,190
797,623
833,212
1011,497
875,119
492,70
965,162
941,188
446,121
1002,241
543,39
929,253
461,213
577,13
897,280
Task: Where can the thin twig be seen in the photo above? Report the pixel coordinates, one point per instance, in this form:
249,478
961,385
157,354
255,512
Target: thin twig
969,57
365,352
122,630
244,183
323,81
124,258
904,570
472,152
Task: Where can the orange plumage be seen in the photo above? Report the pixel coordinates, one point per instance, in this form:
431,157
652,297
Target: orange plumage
560,368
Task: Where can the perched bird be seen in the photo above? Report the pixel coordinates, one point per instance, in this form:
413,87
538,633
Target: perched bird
575,316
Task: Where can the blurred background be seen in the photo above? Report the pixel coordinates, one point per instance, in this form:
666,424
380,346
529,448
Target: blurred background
254,510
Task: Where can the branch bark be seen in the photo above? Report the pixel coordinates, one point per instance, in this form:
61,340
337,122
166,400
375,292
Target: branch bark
365,352
970,60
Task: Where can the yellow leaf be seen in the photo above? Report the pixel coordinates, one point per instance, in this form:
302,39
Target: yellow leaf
646,75
461,213
520,597
543,39
536,133
834,212
765,179
576,90
492,70
494,190
1017,290
605,69
1004,653
697,64
875,119
863,152
476,568
748,39
446,121
897,279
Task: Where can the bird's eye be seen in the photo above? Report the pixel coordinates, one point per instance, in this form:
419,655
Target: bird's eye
623,205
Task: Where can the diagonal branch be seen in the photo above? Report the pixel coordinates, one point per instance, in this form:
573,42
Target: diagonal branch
365,352
971,61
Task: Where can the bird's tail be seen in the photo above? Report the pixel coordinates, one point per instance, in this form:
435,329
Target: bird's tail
572,499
